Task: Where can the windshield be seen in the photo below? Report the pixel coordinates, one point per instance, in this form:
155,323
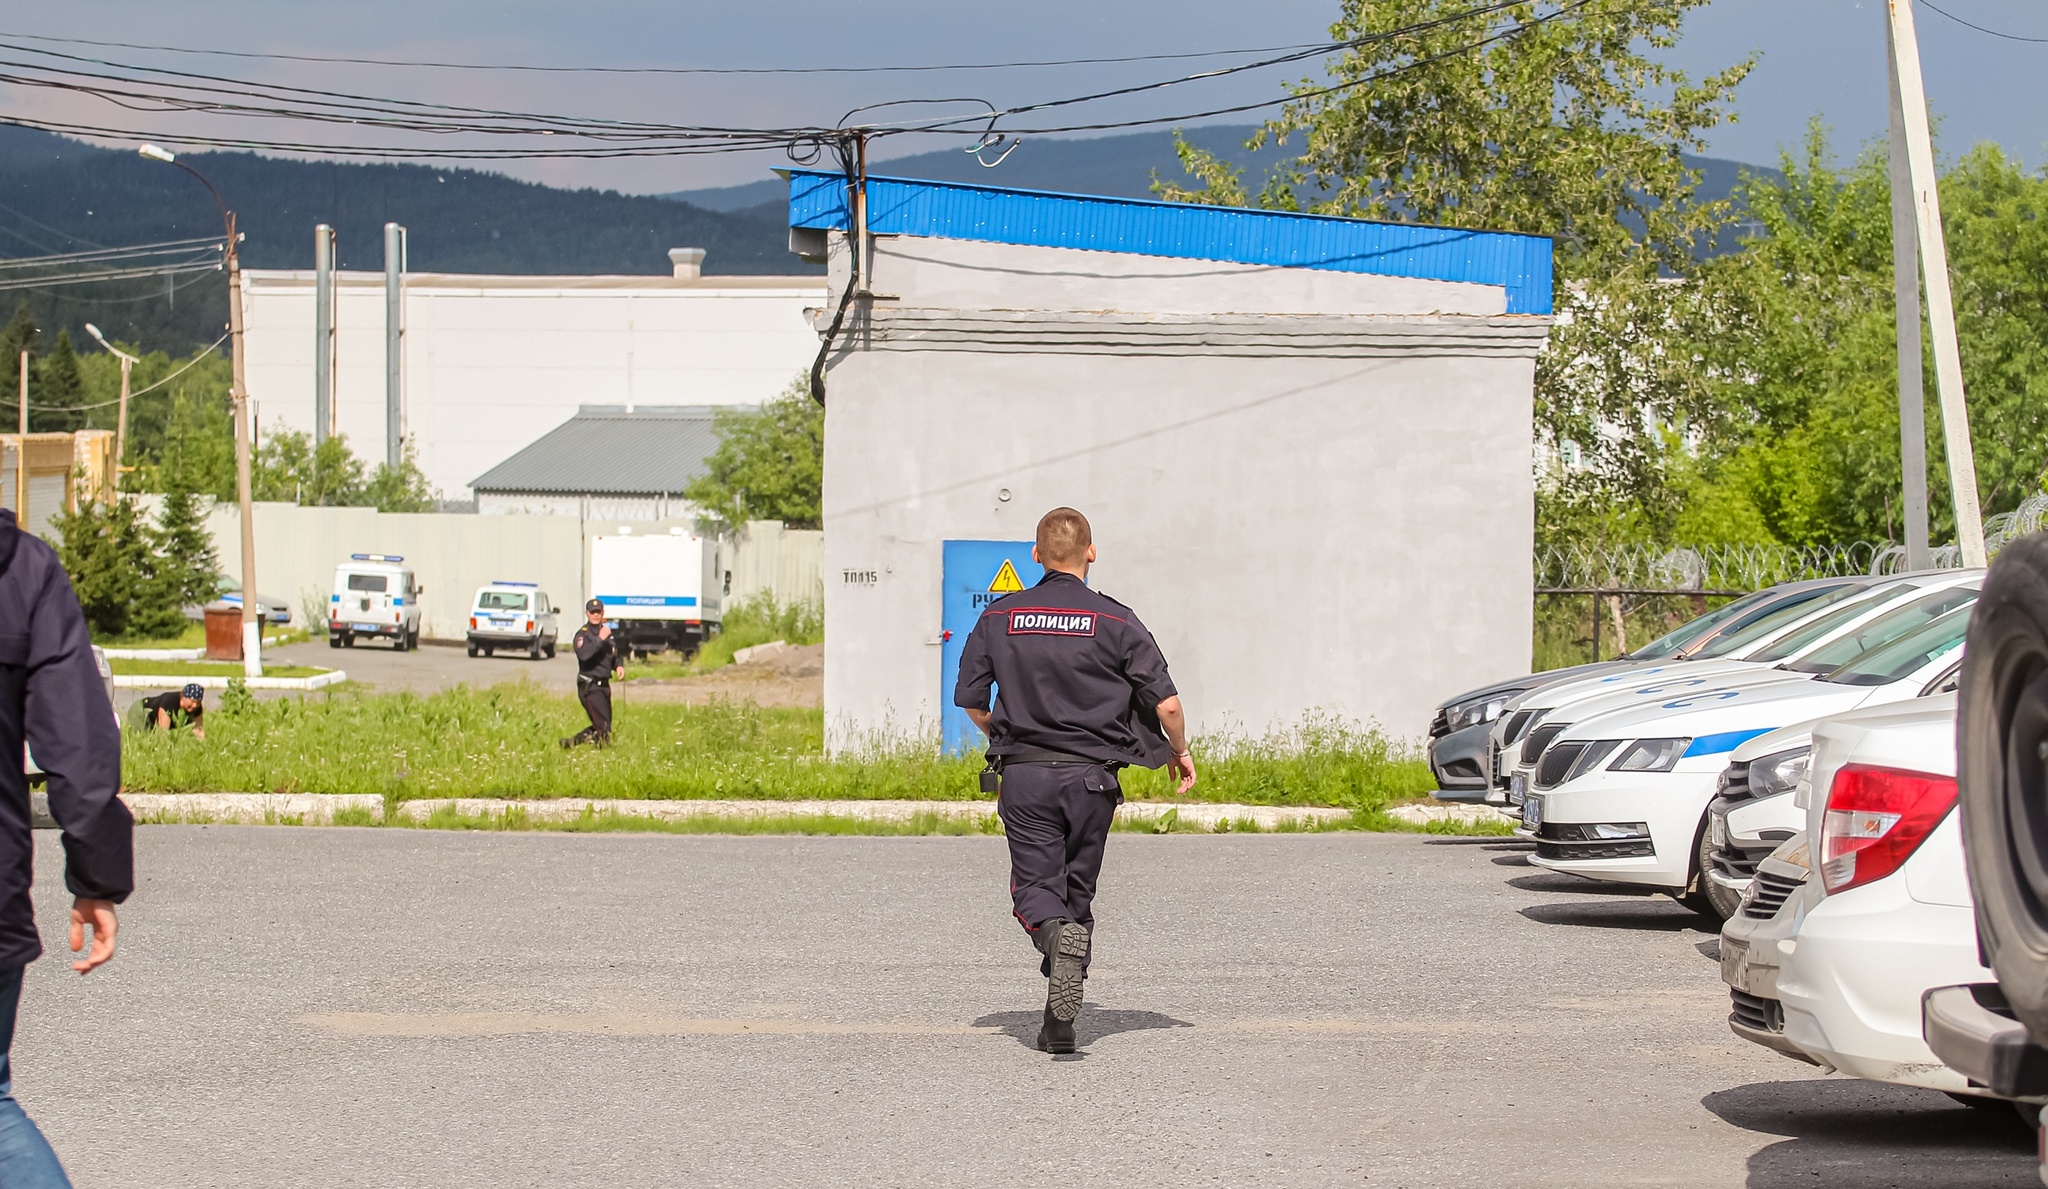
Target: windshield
376,583
1883,630
1794,642
1766,623
500,600
1692,629
1941,638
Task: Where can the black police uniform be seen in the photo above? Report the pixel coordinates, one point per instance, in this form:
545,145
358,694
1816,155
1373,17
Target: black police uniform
1077,681
595,661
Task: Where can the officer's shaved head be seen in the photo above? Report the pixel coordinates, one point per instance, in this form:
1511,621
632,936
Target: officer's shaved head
1063,538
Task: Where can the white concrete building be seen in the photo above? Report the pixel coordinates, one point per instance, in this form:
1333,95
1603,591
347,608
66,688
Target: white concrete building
1303,443
493,362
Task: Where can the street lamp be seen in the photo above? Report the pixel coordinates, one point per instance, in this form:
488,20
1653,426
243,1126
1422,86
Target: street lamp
252,612
128,363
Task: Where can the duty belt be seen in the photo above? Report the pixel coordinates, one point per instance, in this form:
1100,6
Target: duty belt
1018,753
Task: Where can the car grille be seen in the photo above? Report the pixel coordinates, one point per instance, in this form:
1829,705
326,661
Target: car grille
1756,1013
1517,723
1440,725
1569,840
1735,783
1769,895
1556,762
1532,747
1737,862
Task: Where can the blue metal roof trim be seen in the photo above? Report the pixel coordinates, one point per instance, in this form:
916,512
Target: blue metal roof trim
952,210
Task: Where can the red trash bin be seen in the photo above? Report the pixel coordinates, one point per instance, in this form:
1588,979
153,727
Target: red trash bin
223,632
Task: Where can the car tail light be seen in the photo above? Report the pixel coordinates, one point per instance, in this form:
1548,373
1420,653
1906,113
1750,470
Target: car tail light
1876,818
472,621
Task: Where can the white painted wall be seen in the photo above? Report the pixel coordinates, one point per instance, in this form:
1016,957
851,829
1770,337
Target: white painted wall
1312,510
491,363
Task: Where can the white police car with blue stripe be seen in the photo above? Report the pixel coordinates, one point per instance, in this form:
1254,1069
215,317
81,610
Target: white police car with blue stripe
1623,796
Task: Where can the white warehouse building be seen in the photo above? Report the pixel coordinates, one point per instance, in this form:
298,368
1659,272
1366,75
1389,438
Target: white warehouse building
1303,442
490,363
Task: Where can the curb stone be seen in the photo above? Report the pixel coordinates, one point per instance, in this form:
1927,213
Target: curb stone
1422,815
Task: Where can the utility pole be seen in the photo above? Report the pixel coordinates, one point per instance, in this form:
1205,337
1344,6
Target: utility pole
21,453
394,345
128,363
323,333
1906,285
1941,317
252,612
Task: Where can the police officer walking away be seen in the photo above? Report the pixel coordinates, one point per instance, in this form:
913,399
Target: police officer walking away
598,660
1081,692
51,696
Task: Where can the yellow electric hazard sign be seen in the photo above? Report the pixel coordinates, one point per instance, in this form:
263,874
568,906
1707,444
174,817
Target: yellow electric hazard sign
1006,580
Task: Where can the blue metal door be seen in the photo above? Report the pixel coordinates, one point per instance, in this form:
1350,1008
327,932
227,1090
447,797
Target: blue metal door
977,573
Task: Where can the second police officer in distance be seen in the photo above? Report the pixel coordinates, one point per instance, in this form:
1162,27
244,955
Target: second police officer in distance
598,659
1081,690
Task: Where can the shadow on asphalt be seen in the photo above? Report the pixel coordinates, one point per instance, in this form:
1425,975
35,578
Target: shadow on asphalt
1483,841
1852,1132
1511,861
1092,1025
1710,950
1560,881
1651,914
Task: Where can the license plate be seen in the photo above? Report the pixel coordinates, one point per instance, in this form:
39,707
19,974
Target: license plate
1717,831
363,627
500,623
1532,811
1518,789
1735,963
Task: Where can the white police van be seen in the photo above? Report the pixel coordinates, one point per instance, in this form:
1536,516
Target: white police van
512,615
375,595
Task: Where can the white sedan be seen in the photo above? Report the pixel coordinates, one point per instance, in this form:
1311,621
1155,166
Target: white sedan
1623,797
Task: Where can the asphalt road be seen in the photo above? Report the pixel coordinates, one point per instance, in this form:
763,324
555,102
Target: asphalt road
307,1007
430,667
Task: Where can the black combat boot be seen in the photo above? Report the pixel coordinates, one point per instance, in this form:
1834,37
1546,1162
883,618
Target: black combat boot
1065,946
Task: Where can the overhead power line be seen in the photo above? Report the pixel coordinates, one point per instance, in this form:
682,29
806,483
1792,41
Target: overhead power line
1980,28
653,70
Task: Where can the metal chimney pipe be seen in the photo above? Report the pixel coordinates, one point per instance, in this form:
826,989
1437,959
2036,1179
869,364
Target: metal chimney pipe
394,344
323,333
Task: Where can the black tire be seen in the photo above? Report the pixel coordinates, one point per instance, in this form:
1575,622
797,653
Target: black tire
1721,902
333,641
549,650
348,640
472,648
2002,718
533,649
490,651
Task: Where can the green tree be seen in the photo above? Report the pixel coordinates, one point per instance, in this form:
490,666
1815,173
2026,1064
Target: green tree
1569,127
109,552
195,450
289,467
56,391
769,465
187,568
403,488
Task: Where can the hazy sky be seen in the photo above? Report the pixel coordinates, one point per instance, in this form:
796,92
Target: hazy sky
1822,57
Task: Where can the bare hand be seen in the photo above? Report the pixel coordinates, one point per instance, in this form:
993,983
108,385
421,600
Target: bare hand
99,916
1184,765
199,732
619,674
604,631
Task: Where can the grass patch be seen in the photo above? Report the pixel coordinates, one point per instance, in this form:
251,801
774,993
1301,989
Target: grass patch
194,636
501,742
1378,821
135,667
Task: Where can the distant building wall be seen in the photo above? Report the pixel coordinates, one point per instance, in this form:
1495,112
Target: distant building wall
493,362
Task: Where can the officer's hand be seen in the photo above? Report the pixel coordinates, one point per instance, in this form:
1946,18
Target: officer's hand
99,914
619,674
604,631
1184,766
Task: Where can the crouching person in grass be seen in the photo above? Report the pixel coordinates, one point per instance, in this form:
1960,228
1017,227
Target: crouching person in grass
177,708
51,698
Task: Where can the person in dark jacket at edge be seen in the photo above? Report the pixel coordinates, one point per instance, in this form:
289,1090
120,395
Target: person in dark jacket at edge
598,661
1081,691
51,698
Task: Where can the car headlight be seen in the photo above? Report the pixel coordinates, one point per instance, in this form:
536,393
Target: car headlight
1478,710
1779,772
1651,755
1589,759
